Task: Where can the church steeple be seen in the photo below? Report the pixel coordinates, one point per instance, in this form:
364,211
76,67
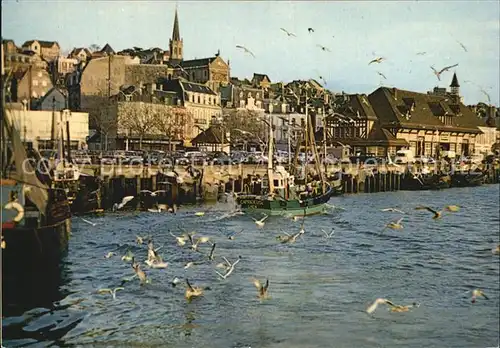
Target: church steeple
455,86
176,41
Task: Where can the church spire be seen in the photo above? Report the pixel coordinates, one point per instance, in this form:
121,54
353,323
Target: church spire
176,44
176,36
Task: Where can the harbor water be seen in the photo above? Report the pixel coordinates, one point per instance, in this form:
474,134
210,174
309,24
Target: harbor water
319,287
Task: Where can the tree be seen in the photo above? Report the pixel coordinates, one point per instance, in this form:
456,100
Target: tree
104,120
138,118
94,48
245,121
174,122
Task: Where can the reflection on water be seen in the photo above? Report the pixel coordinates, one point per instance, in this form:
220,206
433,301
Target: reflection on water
319,287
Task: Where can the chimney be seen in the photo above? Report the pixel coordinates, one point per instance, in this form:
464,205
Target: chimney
395,93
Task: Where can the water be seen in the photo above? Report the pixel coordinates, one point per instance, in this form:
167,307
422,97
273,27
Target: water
319,289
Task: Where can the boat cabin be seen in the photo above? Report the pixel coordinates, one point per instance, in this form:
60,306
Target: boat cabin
283,183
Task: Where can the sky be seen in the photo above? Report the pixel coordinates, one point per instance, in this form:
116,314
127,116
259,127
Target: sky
355,32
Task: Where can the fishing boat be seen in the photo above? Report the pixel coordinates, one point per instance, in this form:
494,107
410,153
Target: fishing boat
281,193
36,215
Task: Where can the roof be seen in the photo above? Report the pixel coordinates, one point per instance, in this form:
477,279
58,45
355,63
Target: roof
46,95
196,87
77,50
6,41
258,78
45,44
212,135
392,105
197,62
454,81
176,36
107,49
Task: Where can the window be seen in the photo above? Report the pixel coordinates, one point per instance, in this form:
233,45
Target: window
35,82
44,83
257,96
199,100
36,47
39,74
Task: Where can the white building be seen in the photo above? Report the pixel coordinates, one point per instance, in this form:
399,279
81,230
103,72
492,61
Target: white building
485,141
35,127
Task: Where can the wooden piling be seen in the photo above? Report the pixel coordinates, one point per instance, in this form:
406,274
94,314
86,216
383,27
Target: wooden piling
138,189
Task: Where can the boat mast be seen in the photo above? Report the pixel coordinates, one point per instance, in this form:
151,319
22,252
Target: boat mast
307,139
270,176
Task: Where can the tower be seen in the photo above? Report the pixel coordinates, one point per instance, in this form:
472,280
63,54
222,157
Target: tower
176,44
455,86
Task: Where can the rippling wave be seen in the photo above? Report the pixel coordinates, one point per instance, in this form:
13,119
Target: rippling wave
319,287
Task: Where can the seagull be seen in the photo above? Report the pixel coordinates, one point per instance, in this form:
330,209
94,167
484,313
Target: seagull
310,30
233,234
156,263
324,48
242,131
378,72
393,210
199,213
87,221
108,255
260,223
191,264
437,214
421,53
452,208
287,32
175,281
211,255
124,201
140,273
323,80
496,250
109,291
377,60
201,240
395,225
262,289
129,256
181,240
394,308
289,239
446,68
139,240
246,50
328,235
192,291
231,268
462,45
476,293
487,95
153,194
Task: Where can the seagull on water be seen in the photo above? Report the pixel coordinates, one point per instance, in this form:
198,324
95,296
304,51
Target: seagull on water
328,235
192,291
393,307
230,268
395,225
109,291
393,210
108,255
262,289
261,223
246,50
477,293
231,235
182,239
287,32
124,201
129,256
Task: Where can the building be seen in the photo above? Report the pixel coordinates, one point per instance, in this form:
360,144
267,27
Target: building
66,65
82,54
48,50
261,81
429,123
212,71
239,94
198,99
12,56
54,99
36,127
28,83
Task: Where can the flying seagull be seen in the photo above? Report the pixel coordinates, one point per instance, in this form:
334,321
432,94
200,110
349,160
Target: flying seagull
262,289
110,291
287,32
153,194
421,53
322,79
124,201
446,68
487,95
462,45
246,50
310,30
324,48
377,60
260,223
437,214
476,293
393,307
378,72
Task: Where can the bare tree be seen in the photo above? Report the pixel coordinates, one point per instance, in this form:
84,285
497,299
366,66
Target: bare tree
104,120
246,121
174,122
94,48
138,118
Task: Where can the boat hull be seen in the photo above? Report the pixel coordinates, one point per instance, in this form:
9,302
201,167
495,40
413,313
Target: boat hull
281,207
